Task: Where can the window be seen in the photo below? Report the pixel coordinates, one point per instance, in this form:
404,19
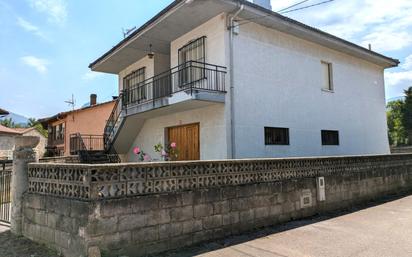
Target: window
195,51
58,132
134,89
327,78
330,137
276,136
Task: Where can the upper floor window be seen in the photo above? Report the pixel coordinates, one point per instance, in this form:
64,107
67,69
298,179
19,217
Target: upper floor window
134,89
192,57
330,137
327,76
276,136
57,132
193,51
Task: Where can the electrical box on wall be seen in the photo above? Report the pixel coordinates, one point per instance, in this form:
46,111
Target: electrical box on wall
320,186
306,198
236,28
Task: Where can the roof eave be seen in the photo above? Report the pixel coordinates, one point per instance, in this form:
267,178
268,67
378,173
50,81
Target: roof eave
383,61
134,34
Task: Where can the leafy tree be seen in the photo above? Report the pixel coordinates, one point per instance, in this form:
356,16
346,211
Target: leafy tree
35,123
407,113
8,122
32,122
396,129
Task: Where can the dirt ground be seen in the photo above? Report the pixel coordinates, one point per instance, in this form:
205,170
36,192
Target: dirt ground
13,246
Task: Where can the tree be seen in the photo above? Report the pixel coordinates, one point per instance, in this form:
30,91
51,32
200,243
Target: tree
32,122
407,113
8,122
35,123
396,128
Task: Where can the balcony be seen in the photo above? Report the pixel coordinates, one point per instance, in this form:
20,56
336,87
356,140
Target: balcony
187,86
81,142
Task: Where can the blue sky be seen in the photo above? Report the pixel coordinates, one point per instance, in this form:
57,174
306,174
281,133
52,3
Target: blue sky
46,45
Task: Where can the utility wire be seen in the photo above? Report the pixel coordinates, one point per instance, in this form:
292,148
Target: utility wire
246,21
294,5
308,6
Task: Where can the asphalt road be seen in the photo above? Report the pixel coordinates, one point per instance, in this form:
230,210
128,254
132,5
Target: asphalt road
383,230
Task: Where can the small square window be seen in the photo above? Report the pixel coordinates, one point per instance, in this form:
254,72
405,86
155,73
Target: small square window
276,136
330,137
327,76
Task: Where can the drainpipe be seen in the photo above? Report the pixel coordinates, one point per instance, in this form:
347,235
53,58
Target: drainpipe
232,65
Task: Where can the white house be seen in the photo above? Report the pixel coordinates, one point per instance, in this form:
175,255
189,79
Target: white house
232,79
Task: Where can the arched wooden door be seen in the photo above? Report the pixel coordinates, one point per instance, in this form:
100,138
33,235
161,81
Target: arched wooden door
187,140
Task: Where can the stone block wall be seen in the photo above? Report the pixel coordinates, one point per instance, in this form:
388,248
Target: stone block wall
56,222
154,222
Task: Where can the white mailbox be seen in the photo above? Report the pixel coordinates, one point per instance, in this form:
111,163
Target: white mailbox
320,184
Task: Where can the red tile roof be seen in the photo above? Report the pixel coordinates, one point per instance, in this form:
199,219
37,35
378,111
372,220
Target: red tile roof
7,130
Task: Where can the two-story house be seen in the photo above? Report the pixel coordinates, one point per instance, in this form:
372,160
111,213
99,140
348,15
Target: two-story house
232,79
79,129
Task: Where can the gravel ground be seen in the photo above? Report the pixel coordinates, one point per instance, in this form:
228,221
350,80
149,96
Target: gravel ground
13,246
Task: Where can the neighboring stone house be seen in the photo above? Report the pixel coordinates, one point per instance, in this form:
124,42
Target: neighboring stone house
7,140
70,131
232,79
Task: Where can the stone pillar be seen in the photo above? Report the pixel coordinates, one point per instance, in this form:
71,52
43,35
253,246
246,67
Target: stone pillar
22,155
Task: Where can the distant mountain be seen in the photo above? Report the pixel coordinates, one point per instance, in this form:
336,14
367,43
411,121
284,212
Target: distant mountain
17,119
395,99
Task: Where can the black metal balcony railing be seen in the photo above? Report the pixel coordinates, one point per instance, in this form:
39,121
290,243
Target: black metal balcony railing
79,142
190,77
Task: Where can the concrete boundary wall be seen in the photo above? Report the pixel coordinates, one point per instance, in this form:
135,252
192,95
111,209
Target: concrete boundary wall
84,209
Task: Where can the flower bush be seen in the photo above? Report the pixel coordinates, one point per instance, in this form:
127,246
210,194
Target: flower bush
170,153
143,157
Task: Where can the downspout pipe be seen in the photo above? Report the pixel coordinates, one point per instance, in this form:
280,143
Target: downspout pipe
232,94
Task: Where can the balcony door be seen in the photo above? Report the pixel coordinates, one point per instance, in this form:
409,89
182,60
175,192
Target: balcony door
187,140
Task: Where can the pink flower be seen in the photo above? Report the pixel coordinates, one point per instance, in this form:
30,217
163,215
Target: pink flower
136,150
147,158
173,145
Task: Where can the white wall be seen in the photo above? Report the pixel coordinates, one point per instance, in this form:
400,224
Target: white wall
144,62
212,132
215,32
278,83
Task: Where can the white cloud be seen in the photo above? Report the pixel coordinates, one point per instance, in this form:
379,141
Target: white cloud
55,9
26,25
383,24
37,63
407,64
90,75
395,78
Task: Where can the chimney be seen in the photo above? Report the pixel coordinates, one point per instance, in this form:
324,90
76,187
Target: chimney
264,3
93,99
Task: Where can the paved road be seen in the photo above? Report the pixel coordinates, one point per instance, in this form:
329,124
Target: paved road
383,230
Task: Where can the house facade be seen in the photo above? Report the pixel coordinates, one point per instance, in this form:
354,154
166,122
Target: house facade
80,129
232,79
7,141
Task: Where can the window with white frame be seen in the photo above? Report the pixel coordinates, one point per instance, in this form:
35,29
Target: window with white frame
327,76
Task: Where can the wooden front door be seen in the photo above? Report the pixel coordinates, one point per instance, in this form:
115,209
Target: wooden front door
187,140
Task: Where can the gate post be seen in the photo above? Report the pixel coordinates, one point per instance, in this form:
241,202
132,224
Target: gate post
22,155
